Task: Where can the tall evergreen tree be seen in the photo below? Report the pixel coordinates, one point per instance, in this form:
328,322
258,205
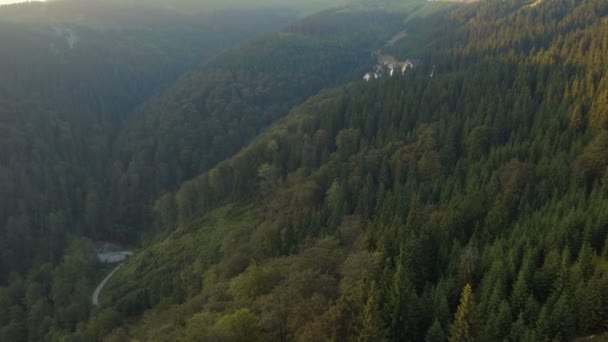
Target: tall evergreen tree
462,328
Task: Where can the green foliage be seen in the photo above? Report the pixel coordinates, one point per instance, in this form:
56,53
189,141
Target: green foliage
226,104
67,88
593,161
77,159
435,333
372,328
423,197
254,282
371,210
240,326
462,329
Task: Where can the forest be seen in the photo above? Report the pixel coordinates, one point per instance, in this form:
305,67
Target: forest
274,195
67,89
76,165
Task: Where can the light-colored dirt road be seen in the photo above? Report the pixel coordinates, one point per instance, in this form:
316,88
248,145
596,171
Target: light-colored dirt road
95,298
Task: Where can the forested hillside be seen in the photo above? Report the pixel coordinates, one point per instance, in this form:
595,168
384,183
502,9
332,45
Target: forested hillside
470,205
66,88
86,152
283,198
210,114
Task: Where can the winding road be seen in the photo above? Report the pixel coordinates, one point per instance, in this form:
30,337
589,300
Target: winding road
95,298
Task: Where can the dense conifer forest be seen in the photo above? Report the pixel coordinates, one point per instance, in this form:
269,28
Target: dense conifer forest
273,195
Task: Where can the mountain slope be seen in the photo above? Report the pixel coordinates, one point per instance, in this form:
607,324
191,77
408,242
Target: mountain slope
71,174
210,114
471,204
66,87
66,90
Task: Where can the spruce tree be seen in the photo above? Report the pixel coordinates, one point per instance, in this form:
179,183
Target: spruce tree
372,327
461,329
435,333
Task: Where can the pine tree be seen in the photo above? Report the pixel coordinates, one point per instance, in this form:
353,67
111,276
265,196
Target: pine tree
518,329
435,333
585,261
403,303
520,288
503,321
372,328
562,320
461,329
576,118
592,313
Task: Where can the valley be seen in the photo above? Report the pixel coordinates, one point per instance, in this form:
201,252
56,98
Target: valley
304,171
